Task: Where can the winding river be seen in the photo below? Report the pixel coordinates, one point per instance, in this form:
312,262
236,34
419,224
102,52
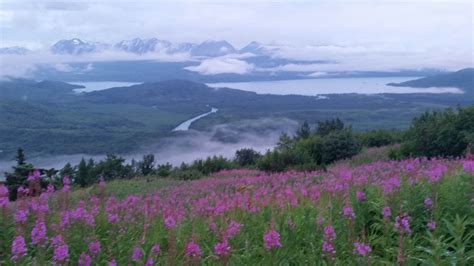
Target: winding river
186,124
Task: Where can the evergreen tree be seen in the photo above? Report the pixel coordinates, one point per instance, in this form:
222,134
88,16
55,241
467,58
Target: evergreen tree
284,142
19,176
147,165
82,177
304,131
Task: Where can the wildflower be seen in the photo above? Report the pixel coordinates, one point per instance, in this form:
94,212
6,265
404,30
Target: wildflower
102,183
348,212
150,262
402,224
222,248
428,202
272,239
360,195
233,229
61,253
155,249
290,223
362,249
386,212
193,250
50,188
328,240
320,221
21,215
66,184
3,196
328,248
38,234
170,222
468,166
18,248
431,225
84,260
112,263
57,240
137,254
94,248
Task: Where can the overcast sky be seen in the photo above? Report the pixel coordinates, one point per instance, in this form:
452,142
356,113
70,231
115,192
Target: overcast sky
435,30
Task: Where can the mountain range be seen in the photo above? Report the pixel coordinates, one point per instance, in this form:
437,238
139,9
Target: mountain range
209,48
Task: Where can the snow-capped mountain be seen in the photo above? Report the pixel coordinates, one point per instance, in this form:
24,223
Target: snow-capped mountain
142,46
77,46
256,48
14,50
213,49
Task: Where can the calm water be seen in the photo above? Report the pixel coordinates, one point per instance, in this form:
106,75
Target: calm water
186,124
313,87
102,85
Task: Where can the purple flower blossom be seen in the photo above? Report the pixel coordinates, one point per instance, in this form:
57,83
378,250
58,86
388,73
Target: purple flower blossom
193,250
402,224
386,212
348,212
137,254
150,262
94,248
222,249
112,263
18,248
360,195
233,229
61,253
170,222
21,215
428,202
271,239
84,260
431,225
362,249
155,249
38,234
328,240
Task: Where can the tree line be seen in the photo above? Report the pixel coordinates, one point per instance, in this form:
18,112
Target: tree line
440,133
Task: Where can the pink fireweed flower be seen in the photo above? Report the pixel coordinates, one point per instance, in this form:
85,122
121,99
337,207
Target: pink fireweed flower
222,249
271,239
50,188
193,250
94,248
22,191
38,234
61,253
386,212
137,254
329,237
328,248
3,196
232,229
348,212
428,202
57,240
431,225
402,224
360,195
290,223
170,222
150,262
362,249
21,215
18,248
329,233
34,176
468,166
84,260
155,249
112,263
66,184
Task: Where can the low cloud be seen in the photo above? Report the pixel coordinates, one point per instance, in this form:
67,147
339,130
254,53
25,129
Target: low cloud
223,139
24,65
222,65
